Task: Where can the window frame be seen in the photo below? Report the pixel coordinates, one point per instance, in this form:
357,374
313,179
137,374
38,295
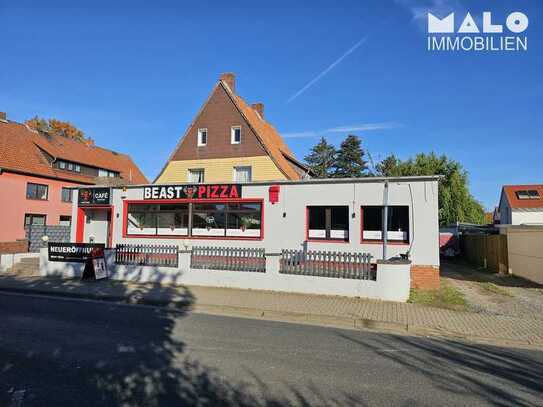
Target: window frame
41,185
62,194
328,230
202,170
156,214
380,241
236,167
65,216
233,134
41,215
199,137
189,236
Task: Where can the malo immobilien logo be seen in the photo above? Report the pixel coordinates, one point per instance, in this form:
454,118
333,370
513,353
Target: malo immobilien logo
484,35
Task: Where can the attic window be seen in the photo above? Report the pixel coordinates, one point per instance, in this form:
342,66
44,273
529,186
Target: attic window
202,137
235,133
528,194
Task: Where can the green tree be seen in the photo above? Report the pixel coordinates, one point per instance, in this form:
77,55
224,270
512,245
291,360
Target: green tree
57,128
350,161
455,200
321,159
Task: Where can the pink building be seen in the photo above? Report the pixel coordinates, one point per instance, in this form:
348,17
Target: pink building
37,172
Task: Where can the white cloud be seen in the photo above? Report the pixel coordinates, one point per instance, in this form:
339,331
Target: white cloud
343,129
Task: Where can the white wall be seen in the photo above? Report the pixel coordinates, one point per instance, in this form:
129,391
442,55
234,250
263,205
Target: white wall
288,232
526,217
392,283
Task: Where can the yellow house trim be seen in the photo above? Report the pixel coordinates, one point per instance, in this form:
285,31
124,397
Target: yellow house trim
221,169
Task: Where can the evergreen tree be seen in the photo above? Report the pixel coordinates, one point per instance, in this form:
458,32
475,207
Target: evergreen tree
455,200
321,159
350,161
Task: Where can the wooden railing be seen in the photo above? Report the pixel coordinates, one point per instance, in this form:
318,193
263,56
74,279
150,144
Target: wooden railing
228,258
327,264
146,255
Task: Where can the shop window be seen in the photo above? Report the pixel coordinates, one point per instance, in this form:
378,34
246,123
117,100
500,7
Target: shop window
196,175
65,220
36,191
328,223
397,228
235,134
33,219
242,174
202,137
208,219
244,219
157,219
66,195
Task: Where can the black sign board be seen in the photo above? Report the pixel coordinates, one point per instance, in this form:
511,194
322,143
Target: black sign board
94,196
75,252
210,191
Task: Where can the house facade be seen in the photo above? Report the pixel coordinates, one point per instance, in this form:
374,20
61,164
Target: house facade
521,204
230,141
332,215
38,173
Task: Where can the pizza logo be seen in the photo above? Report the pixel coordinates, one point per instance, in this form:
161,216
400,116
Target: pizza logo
189,192
86,195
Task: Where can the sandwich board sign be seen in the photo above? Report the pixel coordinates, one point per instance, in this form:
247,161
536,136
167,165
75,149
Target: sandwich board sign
92,254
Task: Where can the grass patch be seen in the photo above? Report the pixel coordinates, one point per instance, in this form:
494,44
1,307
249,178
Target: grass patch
444,297
494,289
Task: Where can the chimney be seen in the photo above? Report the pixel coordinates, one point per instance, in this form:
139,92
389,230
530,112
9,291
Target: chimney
230,79
259,107
3,117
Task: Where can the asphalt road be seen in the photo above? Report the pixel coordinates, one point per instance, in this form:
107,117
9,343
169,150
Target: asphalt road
71,352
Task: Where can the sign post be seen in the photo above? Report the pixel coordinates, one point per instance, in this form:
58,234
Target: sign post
92,254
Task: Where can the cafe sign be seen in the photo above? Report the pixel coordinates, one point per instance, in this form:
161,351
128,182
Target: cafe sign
211,191
94,196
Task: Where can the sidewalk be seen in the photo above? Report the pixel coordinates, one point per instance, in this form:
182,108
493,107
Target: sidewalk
341,312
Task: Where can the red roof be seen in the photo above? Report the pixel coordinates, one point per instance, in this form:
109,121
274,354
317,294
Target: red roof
514,202
25,150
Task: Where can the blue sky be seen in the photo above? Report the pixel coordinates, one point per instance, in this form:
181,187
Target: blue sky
133,74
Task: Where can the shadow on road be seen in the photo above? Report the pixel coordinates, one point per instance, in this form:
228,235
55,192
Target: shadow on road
500,376
87,353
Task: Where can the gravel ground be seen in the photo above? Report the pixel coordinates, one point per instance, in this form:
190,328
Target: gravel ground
494,293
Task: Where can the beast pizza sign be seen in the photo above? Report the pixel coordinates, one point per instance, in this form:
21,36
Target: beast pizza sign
211,191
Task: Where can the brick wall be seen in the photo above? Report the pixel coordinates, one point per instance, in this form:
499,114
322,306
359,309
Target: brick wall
19,246
424,277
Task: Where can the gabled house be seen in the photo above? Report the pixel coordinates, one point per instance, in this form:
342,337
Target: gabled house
38,172
521,204
230,141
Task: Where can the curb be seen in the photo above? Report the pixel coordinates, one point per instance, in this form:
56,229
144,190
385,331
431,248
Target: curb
285,316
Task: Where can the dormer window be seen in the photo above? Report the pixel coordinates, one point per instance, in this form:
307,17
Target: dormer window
202,137
235,134
528,194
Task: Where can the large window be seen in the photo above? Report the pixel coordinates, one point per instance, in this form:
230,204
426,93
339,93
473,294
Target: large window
36,191
208,219
328,223
528,194
397,225
196,175
33,219
158,219
66,195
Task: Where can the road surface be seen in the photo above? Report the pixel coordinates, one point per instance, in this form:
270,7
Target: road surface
84,353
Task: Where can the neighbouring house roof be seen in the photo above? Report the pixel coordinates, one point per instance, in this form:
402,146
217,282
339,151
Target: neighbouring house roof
27,151
515,202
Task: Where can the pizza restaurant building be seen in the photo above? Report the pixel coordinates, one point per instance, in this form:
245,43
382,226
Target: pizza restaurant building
340,215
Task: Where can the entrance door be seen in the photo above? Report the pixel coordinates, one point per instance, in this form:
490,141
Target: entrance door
97,225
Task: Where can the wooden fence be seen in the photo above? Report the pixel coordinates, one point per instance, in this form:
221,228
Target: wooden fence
228,258
486,251
327,264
